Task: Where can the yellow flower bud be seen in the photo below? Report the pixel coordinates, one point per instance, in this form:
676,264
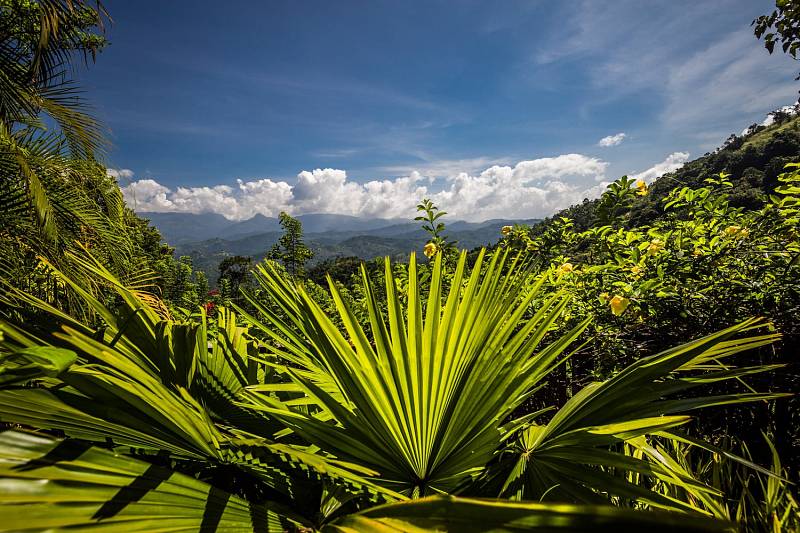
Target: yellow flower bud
656,245
731,230
506,230
736,231
619,304
430,249
566,267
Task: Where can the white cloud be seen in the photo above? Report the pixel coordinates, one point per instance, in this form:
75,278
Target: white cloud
673,162
117,173
530,189
148,195
261,196
611,140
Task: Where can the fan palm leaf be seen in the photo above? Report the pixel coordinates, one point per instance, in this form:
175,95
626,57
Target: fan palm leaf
425,395
144,384
423,398
96,490
574,455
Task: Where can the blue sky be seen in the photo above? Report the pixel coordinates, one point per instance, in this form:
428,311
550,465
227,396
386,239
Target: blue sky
490,107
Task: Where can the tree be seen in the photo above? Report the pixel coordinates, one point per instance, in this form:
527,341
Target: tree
38,42
233,274
781,26
290,250
56,197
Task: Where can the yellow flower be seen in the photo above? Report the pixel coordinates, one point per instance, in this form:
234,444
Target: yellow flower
619,304
506,230
636,270
641,188
566,267
730,231
737,232
430,249
656,245
697,251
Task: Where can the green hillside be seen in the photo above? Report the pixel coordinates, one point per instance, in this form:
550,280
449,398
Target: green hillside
695,252
753,161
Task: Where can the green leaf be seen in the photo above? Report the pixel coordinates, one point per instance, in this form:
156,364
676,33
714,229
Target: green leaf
22,365
422,396
48,485
463,515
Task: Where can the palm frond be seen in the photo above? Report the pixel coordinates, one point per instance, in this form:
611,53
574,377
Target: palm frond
574,454
447,513
95,489
423,397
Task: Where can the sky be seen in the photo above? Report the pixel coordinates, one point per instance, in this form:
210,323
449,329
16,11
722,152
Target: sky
510,109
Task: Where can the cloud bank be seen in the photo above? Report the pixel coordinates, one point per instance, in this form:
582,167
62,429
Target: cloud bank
530,189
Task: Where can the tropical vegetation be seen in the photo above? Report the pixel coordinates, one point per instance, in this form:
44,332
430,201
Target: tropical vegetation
627,364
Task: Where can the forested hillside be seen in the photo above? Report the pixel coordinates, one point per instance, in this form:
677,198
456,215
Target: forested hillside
692,252
754,161
367,240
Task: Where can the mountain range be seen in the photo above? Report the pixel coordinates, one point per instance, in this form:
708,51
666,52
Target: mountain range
209,238
754,159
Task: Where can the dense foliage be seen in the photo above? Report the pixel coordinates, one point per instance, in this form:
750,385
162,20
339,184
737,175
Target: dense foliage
703,262
317,422
701,265
624,365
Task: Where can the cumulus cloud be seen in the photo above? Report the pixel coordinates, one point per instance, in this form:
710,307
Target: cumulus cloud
148,195
530,189
120,173
317,191
673,162
611,140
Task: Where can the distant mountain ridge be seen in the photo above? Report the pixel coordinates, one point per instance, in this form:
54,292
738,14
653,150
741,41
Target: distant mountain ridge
209,238
180,228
